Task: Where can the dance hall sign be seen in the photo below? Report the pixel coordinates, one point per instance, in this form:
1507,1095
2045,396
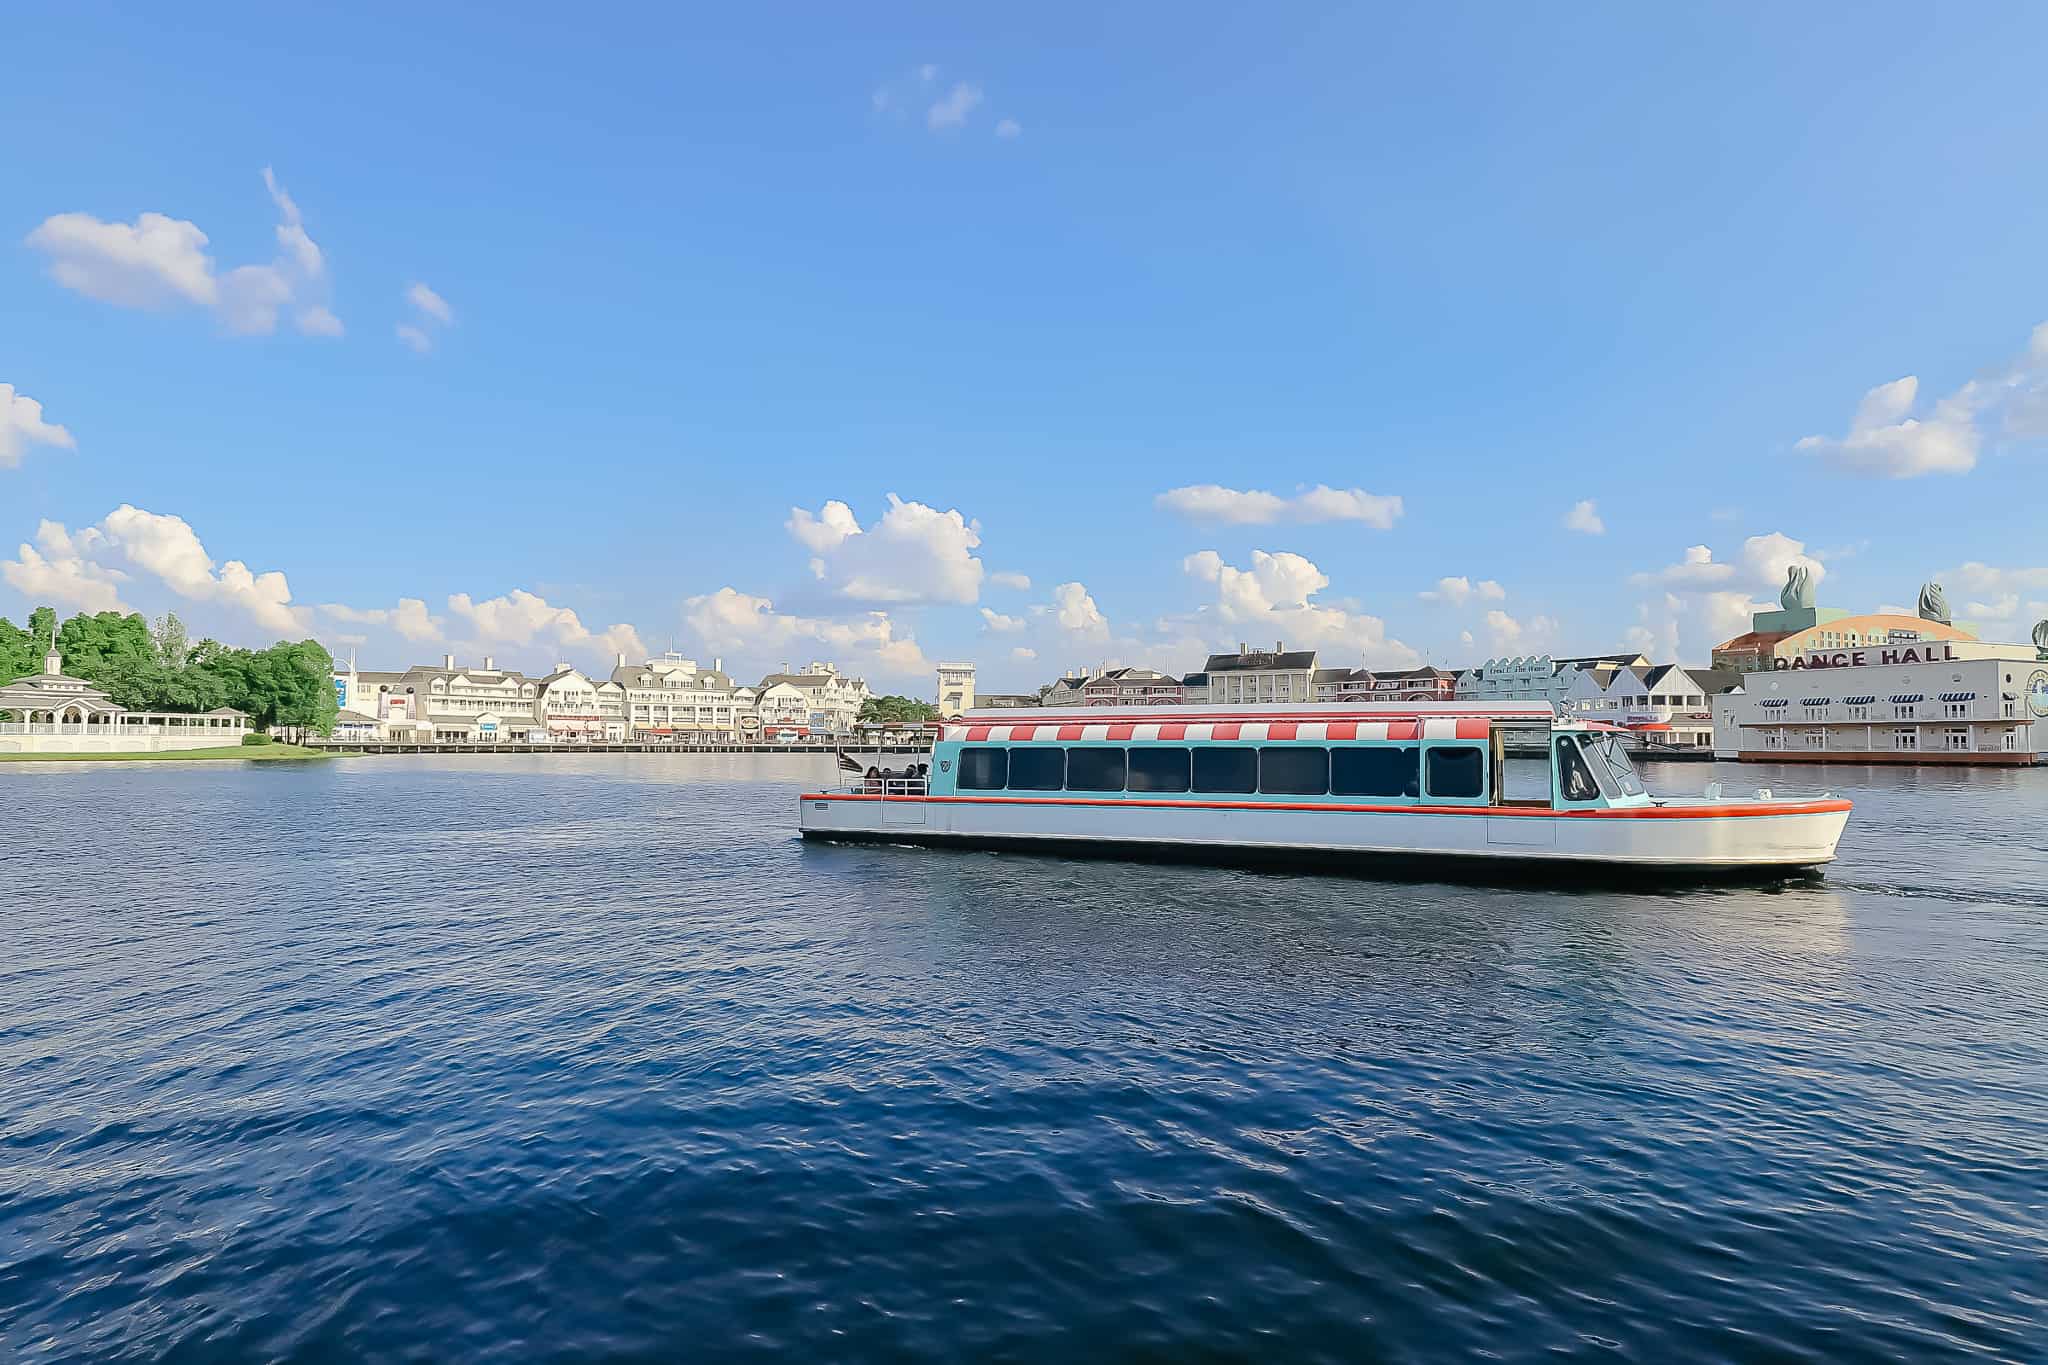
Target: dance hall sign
1928,652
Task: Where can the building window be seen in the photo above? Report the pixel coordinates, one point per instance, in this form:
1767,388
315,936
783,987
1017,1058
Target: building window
1859,713
1957,736
1226,770
1955,710
1457,773
1902,713
1095,768
1294,771
1038,768
1159,770
1376,771
984,769
1906,740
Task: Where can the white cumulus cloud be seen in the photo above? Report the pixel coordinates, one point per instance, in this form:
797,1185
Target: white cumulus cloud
161,545
733,620
1274,598
1460,590
58,570
1585,518
1008,579
1000,623
410,618
1213,504
22,425
1886,441
520,617
159,261
913,553
1074,611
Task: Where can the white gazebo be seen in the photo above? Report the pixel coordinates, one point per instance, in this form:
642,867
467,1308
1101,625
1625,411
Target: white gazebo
50,713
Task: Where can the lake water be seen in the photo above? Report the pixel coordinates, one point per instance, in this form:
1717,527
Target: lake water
538,1059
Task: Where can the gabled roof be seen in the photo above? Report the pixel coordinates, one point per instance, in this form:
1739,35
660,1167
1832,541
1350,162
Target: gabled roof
1293,658
1132,675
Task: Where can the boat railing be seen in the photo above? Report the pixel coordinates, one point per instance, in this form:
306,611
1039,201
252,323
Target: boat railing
888,788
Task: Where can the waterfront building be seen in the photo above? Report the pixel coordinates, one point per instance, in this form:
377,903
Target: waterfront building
1930,701
1427,683
1762,648
671,698
53,713
579,709
1664,705
448,704
356,726
780,706
1341,684
1132,687
833,701
956,689
1004,701
1066,691
1251,676
1538,677
1194,687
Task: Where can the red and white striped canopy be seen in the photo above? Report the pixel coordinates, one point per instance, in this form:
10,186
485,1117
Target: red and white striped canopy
975,731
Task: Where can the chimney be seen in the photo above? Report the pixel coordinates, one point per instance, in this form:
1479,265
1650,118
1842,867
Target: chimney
490,664
622,659
717,665
1279,646
1243,648
448,662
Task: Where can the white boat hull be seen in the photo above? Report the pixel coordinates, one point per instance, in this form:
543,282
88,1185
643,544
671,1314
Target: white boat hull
1757,836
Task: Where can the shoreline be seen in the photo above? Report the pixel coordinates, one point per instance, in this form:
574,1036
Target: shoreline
250,753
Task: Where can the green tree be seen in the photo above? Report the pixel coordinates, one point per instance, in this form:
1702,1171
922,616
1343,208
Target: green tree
95,646
20,655
284,685
173,649
894,709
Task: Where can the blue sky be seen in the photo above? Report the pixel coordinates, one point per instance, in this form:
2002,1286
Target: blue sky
1036,274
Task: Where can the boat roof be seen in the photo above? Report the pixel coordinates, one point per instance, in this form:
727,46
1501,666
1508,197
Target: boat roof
1264,711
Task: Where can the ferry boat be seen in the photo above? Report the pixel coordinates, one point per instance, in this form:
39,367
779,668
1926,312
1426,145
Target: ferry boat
1357,784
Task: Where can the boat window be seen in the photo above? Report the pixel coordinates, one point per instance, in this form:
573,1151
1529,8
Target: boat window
1038,768
984,770
1608,749
1574,778
1457,773
1294,771
1159,770
1376,771
1095,768
1226,770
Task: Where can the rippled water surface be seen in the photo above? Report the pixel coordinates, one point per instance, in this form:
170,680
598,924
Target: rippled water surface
532,1059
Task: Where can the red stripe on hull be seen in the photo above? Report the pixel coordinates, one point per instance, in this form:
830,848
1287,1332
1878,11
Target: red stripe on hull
1743,811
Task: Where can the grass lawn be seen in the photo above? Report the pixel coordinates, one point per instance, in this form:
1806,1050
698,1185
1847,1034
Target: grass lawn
254,753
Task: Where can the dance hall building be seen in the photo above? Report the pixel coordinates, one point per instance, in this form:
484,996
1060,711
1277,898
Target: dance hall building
1883,688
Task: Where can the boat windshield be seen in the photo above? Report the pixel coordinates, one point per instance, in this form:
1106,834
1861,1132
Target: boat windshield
1607,749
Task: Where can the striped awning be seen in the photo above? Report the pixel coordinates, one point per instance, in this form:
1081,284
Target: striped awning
1959,696
1820,701
1775,701
1407,730
1908,699
1858,701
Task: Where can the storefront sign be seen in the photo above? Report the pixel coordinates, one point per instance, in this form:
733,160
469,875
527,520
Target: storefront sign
1933,652
2037,692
